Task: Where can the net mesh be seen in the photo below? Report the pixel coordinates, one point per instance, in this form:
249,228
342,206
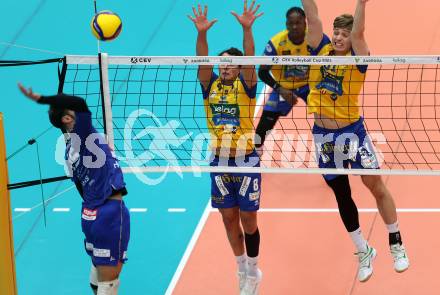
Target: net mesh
159,118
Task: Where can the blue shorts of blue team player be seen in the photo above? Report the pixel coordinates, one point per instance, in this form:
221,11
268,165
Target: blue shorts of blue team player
274,104
229,190
107,232
341,148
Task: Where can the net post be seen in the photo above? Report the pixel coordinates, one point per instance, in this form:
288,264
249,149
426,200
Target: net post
7,270
106,100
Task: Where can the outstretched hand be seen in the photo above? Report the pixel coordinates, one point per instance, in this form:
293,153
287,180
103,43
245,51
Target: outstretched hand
29,93
249,14
200,19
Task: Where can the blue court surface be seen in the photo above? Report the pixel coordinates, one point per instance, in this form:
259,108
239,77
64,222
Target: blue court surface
50,258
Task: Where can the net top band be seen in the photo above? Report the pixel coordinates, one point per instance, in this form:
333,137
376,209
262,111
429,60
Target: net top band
258,60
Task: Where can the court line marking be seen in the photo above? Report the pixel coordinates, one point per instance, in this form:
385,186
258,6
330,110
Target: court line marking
138,210
176,210
22,209
189,249
269,210
46,202
61,209
335,210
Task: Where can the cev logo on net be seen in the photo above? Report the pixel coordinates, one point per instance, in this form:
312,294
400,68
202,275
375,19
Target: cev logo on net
163,137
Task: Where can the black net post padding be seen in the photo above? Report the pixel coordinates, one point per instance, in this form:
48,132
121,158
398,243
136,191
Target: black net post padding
62,75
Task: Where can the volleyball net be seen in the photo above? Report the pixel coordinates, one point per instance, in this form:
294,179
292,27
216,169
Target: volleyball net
153,113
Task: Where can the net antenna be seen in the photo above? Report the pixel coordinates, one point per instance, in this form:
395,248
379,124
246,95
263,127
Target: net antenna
98,43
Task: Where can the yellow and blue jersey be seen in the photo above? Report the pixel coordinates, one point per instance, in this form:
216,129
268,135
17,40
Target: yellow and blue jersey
230,114
335,89
288,76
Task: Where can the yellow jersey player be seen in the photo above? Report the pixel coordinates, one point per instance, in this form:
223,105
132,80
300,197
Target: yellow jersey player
287,82
340,136
229,100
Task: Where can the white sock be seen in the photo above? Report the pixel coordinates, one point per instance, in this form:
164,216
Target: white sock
358,240
393,228
241,262
93,276
108,288
252,266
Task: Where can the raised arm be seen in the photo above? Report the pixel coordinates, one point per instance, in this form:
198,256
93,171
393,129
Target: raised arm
202,24
358,41
314,24
61,100
247,19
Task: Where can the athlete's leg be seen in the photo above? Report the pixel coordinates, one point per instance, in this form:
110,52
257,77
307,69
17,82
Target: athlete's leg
387,209
384,200
267,122
231,221
367,159
252,239
249,199
347,207
108,279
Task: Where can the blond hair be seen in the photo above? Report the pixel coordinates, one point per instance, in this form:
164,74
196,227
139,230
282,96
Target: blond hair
344,21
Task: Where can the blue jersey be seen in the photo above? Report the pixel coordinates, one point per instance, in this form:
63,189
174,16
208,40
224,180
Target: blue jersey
95,170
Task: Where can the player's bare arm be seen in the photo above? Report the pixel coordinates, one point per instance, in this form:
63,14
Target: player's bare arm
314,23
358,41
202,24
28,92
247,19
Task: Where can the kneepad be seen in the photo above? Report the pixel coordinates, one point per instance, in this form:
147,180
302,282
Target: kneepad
108,288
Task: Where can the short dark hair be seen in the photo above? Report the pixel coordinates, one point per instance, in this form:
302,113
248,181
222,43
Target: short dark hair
295,9
55,116
232,51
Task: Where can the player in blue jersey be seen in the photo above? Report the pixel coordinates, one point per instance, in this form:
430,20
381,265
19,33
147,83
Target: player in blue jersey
96,173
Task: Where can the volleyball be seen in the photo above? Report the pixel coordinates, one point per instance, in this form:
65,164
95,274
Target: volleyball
106,25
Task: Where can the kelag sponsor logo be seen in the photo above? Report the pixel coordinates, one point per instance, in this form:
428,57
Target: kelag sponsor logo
225,60
228,109
399,60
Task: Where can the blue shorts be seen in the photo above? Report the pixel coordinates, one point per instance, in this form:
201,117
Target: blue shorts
341,148
107,232
274,104
229,190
